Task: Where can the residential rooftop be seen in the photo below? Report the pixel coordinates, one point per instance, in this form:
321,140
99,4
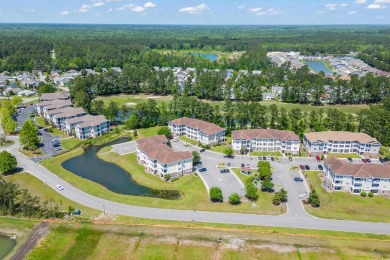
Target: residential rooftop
327,136
93,121
206,127
53,96
342,167
283,135
155,148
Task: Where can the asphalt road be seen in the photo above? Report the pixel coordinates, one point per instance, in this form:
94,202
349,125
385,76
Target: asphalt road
299,219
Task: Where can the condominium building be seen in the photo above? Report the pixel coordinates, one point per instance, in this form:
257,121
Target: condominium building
60,115
92,127
54,96
341,142
158,158
341,175
199,130
265,140
45,106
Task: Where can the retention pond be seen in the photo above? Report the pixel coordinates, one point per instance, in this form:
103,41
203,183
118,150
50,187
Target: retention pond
6,245
89,166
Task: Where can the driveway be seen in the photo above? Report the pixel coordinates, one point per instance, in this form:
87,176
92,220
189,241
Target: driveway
24,115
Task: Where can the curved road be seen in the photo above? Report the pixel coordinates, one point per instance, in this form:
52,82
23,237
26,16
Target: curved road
288,220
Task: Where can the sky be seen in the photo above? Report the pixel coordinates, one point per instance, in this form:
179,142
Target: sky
202,12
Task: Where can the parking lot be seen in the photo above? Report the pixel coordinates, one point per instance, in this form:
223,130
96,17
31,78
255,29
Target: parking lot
124,148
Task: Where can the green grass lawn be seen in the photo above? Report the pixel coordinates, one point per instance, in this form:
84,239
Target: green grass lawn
58,132
40,121
69,143
133,100
146,132
259,153
28,153
341,205
344,155
188,140
265,198
221,148
195,194
91,241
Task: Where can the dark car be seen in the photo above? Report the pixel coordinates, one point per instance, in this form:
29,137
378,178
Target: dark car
307,167
224,170
202,150
369,160
242,165
320,167
272,159
264,158
260,158
290,159
202,169
364,160
302,167
349,159
298,179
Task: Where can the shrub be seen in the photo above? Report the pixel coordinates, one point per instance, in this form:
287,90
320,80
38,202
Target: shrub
234,199
216,194
276,199
251,191
363,194
175,179
166,177
314,199
370,194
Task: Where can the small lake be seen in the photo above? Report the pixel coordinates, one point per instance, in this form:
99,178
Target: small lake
209,56
6,245
318,66
89,166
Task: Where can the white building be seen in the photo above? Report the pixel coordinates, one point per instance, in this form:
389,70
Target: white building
46,107
341,142
59,116
158,158
201,131
94,127
341,175
265,140
54,96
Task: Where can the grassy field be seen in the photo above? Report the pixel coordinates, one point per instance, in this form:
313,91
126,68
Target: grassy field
69,143
344,155
18,229
221,148
91,241
40,121
259,153
195,194
265,198
146,132
58,132
188,140
341,205
132,100
37,188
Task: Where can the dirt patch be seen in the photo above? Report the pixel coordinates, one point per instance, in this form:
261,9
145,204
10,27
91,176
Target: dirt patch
38,233
153,97
234,243
105,217
131,104
277,248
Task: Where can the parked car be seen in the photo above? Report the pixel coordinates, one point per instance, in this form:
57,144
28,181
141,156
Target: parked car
318,158
268,158
224,170
260,158
58,148
242,165
202,169
248,165
298,179
302,167
304,195
290,158
320,167
264,158
364,160
59,187
228,164
174,140
369,160
202,150
307,167
349,159
272,159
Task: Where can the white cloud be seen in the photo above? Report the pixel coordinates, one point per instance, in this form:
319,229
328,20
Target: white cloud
382,1
331,7
351,12
344,4
97,4
149,5
360,2
195,9
374,6
85,8
64,13
137,8
241,7
261,11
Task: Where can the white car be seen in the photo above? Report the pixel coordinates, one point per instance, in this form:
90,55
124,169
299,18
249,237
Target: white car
59,187
304,195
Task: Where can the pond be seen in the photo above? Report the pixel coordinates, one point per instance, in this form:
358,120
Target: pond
6,245
318,66
209,56
89,166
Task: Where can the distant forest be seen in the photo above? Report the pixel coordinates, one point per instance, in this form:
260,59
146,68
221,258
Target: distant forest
24,47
